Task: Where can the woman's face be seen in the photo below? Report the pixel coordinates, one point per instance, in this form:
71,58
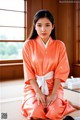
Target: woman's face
44,27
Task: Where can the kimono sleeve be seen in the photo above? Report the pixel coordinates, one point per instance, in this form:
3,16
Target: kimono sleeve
62,70
28,70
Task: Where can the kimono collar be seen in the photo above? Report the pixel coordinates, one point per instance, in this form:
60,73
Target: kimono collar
39,40
45,45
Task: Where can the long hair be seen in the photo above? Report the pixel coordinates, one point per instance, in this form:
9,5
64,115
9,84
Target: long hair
37,16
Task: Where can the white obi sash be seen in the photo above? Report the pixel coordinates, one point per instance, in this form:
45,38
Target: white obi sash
41,80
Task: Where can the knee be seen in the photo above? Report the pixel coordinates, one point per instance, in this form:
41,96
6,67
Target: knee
38,111
37,107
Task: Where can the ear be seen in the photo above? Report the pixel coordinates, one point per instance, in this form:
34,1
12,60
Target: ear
52,27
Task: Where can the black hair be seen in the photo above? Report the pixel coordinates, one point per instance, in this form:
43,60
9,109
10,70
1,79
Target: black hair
42,14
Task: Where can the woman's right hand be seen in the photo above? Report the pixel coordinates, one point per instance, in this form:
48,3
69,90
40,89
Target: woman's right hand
40,97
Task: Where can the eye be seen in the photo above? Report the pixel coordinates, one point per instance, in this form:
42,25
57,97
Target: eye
47,25
39,25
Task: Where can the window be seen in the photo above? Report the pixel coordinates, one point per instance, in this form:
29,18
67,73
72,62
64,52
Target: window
79,31
12,28
77,45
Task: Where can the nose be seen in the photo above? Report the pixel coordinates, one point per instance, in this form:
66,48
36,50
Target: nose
43,29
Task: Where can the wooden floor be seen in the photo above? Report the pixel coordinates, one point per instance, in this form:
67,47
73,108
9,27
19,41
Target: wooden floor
11,95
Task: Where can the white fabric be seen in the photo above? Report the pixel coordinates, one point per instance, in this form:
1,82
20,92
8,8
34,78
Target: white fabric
45,45
41,80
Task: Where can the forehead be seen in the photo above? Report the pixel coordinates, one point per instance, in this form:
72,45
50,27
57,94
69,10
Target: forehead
44,20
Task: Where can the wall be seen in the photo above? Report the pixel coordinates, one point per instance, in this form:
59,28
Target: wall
65,29
64,22
67,33
10,71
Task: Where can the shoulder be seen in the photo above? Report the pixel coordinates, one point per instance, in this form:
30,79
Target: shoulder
28,43
60,43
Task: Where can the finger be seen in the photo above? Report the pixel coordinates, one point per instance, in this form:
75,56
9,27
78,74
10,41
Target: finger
49,102
34,100
38,102
52,101
43,102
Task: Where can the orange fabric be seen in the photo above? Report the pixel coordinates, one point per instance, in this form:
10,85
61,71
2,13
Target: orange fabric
39,60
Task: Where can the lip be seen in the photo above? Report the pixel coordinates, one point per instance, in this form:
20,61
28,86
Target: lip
43,34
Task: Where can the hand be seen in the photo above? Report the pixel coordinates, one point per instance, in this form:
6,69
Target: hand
50,99
40,97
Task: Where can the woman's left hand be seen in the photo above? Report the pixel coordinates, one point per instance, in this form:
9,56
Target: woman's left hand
50,99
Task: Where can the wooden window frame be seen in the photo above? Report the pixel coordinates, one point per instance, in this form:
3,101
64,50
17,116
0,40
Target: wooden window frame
25,26
76,35
26,21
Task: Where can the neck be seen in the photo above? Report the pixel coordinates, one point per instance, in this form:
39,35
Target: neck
45,40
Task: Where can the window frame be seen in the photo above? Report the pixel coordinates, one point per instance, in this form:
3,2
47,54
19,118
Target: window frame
26,8
25,12
76,35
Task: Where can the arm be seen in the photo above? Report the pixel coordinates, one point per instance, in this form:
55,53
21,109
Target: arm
35,86
56,86
62,69
39,95
51,98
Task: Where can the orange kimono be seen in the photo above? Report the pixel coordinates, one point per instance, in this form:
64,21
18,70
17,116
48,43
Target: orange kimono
40,60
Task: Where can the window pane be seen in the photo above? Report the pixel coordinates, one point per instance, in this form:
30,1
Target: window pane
11,50
12,4
8,33
10,18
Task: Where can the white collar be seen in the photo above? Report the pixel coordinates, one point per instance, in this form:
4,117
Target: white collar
45,45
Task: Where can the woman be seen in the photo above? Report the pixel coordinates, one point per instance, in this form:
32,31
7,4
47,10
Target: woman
45,67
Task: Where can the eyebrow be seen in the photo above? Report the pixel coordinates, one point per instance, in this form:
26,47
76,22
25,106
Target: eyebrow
45,23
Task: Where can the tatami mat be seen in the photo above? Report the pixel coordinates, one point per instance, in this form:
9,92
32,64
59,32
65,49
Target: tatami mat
11,95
